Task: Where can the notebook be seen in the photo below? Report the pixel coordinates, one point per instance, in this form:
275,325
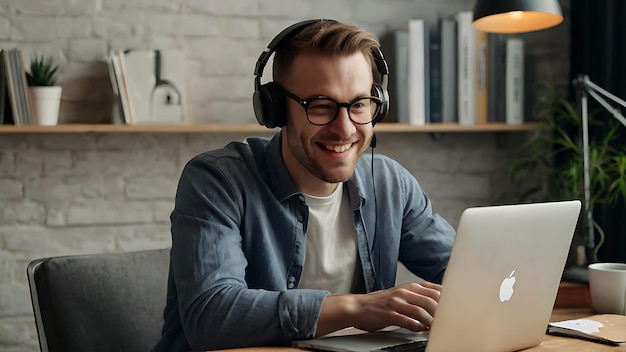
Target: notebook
499,287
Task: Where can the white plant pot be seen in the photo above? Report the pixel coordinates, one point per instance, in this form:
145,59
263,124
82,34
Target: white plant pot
46,103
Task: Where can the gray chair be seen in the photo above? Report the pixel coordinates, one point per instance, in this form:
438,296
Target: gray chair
102,302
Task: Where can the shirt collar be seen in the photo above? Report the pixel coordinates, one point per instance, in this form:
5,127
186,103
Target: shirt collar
278,177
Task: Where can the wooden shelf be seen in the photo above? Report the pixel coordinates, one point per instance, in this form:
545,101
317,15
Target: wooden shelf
254,128
453,127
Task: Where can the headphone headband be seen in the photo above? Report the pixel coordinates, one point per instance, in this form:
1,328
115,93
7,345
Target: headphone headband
285,35
268,100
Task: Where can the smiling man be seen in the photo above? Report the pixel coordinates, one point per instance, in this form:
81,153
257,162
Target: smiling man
300,235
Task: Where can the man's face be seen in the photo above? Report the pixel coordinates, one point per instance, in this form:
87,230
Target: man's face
318,157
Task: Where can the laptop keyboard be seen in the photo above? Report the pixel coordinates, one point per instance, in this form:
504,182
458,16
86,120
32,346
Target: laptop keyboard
414,346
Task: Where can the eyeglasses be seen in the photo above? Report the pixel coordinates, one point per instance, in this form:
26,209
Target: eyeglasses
322,110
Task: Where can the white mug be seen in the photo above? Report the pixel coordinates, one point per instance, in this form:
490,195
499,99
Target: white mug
607,284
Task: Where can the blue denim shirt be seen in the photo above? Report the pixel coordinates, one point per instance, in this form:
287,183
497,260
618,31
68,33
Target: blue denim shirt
238,245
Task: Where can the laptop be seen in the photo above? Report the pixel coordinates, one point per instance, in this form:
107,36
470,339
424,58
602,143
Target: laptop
499,288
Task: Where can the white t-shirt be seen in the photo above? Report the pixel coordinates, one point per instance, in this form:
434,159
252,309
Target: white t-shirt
331,245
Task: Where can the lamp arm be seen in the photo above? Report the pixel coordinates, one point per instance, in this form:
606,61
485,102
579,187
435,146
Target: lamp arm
587,87
616,114
594,90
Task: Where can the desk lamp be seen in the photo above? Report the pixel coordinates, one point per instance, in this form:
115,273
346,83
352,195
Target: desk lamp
516,16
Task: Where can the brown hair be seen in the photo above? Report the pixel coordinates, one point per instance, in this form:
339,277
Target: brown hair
329,38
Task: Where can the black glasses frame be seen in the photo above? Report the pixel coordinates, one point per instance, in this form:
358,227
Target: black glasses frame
305,103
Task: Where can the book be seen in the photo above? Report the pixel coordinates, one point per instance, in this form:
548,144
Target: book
395,45
11,108
466,53
602,328
530,91
419,86
496,77
435,78
482,64
26,105
3,93
17,87
449,101
121,112
514,81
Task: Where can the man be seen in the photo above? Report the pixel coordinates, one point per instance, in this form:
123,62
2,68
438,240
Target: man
298,236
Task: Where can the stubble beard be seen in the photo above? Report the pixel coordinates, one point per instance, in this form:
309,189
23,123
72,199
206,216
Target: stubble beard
305,157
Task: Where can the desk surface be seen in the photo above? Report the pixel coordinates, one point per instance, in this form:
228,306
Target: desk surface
550,343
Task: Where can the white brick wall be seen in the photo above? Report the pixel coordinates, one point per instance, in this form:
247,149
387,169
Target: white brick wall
87,193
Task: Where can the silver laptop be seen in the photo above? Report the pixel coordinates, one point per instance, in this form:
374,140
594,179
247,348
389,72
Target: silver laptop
500,285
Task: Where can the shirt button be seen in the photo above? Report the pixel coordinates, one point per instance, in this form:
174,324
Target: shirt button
300,218
291,285
301,197
300,227
292,279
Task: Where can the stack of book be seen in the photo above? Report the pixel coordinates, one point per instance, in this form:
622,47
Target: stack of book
452,73
148,85
15,100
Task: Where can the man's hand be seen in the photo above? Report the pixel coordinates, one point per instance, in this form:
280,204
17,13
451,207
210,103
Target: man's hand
411,306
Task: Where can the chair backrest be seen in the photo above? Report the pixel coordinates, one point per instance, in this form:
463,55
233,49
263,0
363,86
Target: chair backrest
101,302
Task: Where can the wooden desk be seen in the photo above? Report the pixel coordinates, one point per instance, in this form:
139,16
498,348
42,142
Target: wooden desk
550,343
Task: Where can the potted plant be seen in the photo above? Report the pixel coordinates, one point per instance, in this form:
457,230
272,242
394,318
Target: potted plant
45,93
550,165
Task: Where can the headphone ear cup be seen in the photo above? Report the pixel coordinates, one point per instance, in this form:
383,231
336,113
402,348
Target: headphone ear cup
278,106
258,106
269,105
380,92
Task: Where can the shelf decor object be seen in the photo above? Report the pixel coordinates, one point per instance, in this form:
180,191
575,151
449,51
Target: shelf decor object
44,91
516,16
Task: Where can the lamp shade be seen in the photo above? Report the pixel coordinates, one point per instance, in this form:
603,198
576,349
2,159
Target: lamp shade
516,16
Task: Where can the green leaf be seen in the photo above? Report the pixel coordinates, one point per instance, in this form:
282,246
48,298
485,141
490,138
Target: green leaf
43,71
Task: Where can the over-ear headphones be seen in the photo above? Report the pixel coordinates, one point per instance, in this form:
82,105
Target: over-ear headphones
270,107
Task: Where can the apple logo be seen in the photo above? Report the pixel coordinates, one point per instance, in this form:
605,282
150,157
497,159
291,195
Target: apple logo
506,288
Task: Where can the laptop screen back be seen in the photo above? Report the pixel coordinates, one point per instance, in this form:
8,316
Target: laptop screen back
502,279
